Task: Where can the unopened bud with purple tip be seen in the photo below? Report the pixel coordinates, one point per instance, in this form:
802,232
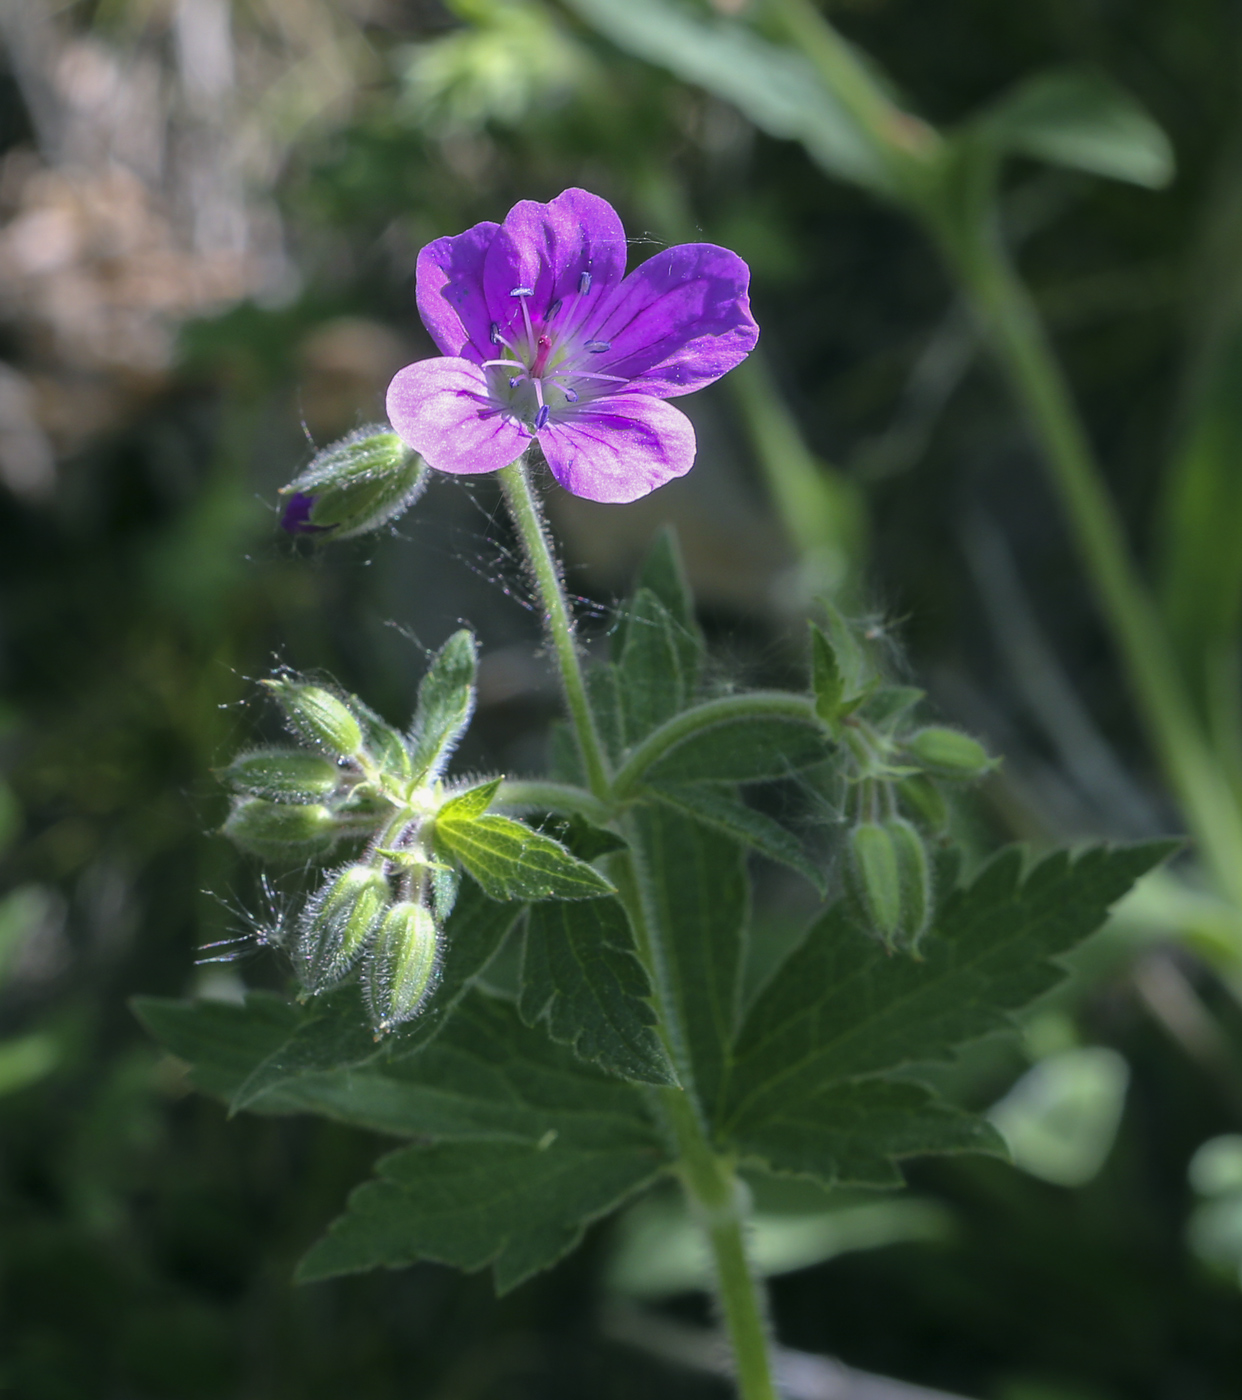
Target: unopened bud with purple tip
355,485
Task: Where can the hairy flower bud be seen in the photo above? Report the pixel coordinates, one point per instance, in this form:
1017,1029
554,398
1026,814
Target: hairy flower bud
914,880
285,775
280,829
949,753
318,716
337,924
356,485
402,963
874,878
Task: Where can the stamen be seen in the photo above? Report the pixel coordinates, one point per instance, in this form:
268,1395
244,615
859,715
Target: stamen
541,418
586,374
571,395
522,292
496,333
515,380
494,364
597,347
552,310
584,284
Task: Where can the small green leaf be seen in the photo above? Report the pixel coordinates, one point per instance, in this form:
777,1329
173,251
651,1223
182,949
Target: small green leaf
658,670
664,573
509,860
717,806
604,692
826,679
445,705
746,750
288,775
582,976
1079,119
384,745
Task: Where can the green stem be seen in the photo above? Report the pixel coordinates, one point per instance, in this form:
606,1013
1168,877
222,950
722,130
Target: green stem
1005,310
710,1182
717,1199
540,796
557,619
756,704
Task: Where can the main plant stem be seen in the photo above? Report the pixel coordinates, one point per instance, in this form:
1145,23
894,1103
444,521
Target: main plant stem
715,1194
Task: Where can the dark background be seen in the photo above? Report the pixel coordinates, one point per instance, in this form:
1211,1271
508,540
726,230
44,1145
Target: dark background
208,223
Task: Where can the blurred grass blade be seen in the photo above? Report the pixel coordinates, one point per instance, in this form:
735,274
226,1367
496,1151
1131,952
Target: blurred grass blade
775,87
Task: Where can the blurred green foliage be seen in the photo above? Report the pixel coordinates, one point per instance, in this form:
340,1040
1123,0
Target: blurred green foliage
146,1243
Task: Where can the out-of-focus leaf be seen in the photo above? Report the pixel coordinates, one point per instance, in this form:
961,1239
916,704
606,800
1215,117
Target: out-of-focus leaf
775,87
1061,1117
658,670
749,750
1080,119
582,976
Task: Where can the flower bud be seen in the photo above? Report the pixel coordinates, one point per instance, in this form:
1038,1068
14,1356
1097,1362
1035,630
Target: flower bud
949,753
914,880
874,878
318,716
286,775
401,965
336,925
277,829
356,485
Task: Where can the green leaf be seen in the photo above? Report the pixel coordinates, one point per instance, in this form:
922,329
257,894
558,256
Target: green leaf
852,1134
382,742
826,679
509,860
775,87
581,974
747,750
527,1146
334,1031
701,903
445,705
658,670
717,806
604,691
841,1008
1079,119
664,573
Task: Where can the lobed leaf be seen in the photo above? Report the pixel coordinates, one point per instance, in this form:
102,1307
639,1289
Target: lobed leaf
582,976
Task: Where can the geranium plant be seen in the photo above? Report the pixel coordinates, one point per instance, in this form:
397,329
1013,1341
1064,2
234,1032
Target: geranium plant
626,1052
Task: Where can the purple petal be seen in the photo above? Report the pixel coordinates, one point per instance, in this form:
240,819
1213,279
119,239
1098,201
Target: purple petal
679,321
449,291
619,448
296,517
441,409
545,248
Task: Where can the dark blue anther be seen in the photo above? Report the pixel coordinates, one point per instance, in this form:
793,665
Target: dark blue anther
515,381
571,395
541,418
597,347
553,309
495,332
584,284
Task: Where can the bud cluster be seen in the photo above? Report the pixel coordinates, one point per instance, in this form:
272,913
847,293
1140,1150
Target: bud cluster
355,777
893,768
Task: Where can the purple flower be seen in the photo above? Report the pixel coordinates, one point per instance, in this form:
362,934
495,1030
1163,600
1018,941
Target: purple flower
545,337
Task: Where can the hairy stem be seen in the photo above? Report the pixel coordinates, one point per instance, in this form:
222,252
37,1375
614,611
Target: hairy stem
715,1194
557,620
540,796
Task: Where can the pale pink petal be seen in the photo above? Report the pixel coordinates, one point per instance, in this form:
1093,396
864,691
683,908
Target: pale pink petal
619,448
441,408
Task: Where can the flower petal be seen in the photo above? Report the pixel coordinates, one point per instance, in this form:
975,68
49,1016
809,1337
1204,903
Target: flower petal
546,248
449,292
442,410
679,321
619,448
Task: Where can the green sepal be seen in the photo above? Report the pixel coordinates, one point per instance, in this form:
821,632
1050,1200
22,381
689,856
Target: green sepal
281,830
318,716
284,775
